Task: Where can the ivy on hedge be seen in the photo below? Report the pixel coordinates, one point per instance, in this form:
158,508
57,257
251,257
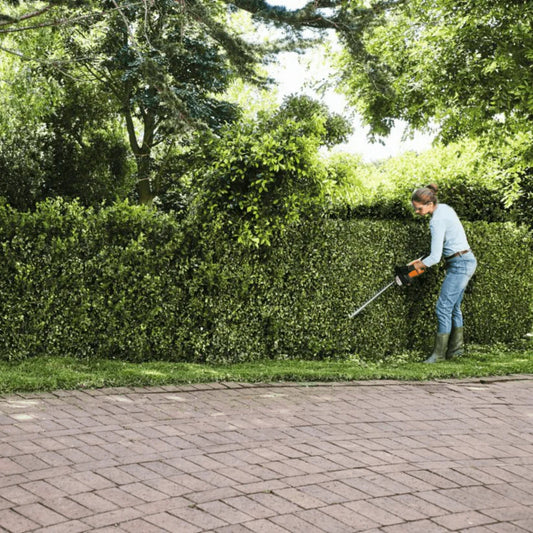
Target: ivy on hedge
129,282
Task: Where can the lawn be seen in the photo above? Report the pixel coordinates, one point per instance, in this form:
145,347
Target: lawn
52,373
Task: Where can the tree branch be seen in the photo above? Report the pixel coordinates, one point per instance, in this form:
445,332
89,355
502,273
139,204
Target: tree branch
15,53
131,131
14,20
308,16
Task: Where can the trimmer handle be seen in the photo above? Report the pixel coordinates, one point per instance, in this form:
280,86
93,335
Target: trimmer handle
404,274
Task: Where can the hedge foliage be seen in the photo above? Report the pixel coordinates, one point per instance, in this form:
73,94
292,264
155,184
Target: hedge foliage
479,183
128,282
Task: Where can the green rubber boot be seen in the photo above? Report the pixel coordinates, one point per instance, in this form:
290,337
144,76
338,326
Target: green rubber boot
441,345
456,343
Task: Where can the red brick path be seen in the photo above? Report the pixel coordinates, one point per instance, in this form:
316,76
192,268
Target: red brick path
386,457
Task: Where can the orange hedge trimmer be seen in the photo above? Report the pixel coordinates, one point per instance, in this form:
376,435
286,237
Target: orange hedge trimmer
403,275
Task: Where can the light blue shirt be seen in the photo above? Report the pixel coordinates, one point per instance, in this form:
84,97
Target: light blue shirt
447,235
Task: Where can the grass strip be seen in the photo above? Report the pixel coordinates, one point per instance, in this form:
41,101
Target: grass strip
54,373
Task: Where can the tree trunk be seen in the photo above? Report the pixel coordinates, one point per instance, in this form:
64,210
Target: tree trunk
142,155
144,188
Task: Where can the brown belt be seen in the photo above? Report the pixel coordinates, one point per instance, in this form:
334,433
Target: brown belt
457,254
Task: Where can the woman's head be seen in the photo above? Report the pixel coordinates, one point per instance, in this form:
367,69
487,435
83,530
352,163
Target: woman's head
424,200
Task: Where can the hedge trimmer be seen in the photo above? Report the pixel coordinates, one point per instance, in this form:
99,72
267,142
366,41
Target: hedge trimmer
403,275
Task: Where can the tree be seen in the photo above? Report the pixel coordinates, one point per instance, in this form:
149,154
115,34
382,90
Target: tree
465,65
74,149
162,62
58,135
461,64
259,176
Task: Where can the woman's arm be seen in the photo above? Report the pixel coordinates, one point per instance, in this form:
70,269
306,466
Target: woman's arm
437,228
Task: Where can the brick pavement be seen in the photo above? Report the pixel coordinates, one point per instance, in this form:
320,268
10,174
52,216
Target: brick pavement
369,456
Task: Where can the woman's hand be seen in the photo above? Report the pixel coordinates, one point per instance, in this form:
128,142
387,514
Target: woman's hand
419,266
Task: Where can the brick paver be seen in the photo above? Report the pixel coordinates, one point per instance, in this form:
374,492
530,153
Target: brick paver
283,458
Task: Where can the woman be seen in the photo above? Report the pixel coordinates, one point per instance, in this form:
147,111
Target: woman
448,238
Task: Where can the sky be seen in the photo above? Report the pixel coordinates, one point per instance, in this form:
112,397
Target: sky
296,73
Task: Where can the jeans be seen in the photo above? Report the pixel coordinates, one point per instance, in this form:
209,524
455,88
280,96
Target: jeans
459,270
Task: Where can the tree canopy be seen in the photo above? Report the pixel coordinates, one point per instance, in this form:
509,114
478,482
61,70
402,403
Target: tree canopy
162,63
465,65
462,64
161,67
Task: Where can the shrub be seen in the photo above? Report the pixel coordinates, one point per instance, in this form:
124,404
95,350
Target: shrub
500,302
76,281
478,184
128,282
299,293
259,176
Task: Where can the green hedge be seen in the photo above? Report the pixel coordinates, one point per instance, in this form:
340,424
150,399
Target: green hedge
494,187
76,281
128,282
